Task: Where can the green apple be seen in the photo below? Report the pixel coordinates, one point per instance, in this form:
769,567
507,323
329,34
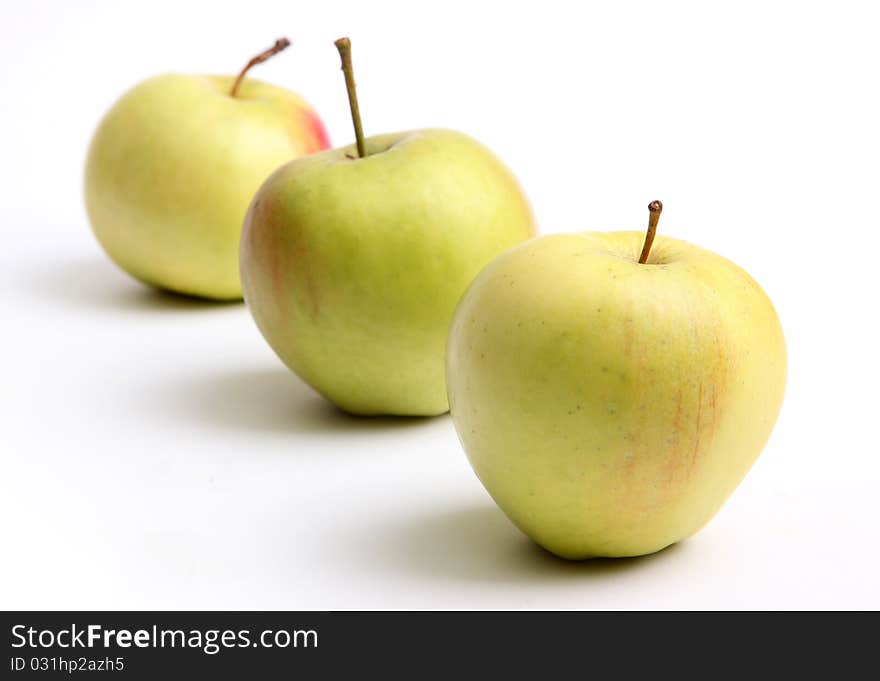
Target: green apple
611,406
352,262
174,164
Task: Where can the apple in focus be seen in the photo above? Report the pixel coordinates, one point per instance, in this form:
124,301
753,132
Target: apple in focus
611,406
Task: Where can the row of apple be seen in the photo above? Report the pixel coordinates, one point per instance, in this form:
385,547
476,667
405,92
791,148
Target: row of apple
610,390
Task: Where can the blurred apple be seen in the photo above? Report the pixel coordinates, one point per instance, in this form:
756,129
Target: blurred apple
353,260
174,164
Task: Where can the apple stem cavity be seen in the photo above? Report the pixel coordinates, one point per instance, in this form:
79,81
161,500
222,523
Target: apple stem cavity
344,47
654,210
280,45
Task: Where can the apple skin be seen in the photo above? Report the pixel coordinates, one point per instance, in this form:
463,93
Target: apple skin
173,166
352,267
610,408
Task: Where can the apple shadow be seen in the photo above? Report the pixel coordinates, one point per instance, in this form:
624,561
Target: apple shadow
480,544
95,283
267,401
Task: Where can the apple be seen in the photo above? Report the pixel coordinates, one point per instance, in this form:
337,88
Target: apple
610,402
174,164
353,260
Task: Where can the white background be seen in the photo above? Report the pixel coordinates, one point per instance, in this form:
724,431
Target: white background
156,454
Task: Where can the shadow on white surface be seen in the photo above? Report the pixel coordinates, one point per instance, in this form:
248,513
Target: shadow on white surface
268,400
95,283
481,544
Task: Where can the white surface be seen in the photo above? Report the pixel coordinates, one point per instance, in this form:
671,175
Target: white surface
155,454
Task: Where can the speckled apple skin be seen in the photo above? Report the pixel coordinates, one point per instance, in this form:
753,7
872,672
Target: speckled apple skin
610,408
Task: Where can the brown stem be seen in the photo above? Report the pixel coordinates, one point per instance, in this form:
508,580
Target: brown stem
655,208
280,44
344,47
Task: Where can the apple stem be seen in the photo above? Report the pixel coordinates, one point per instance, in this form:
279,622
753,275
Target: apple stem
654,208
344,47
280,45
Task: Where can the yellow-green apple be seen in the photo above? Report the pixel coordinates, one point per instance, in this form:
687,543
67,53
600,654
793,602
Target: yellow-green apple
352,260
174,164
609,401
